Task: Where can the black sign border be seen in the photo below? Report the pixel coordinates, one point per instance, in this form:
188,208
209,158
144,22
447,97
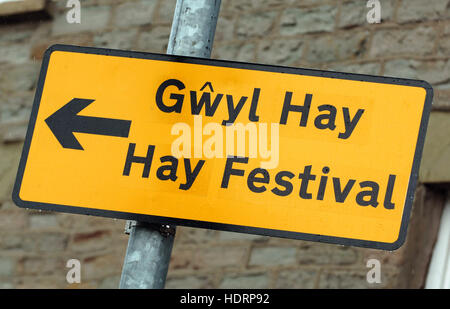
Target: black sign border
220,226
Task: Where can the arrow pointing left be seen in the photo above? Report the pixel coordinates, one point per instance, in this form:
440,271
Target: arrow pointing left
65,121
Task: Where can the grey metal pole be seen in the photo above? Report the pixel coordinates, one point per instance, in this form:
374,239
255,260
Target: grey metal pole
193,28
150,245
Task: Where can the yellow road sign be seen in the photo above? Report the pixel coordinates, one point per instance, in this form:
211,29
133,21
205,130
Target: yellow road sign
342,167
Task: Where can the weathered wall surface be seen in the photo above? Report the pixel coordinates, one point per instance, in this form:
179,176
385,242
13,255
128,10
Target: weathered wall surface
412,41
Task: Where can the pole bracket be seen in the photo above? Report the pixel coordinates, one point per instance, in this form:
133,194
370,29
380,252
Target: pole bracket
164,229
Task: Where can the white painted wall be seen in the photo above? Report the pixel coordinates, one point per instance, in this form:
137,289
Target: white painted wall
439,271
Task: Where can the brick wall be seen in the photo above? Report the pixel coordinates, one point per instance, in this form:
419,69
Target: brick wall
412,41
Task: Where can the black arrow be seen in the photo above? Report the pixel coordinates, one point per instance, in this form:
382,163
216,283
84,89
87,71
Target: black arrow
65,121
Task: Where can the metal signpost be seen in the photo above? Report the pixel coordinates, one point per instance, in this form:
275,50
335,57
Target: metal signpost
150,245
342,165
